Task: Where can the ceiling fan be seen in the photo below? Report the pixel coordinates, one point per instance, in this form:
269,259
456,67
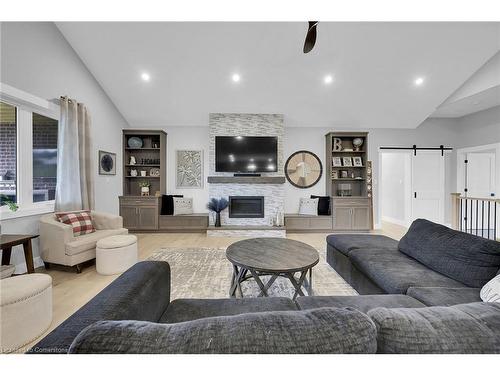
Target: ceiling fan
310,36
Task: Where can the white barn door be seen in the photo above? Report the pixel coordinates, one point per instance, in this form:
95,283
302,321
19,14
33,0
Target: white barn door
428,186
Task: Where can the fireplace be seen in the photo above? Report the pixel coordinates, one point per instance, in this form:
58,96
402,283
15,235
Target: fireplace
246,207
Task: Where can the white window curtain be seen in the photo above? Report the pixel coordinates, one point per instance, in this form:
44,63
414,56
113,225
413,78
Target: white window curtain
75,177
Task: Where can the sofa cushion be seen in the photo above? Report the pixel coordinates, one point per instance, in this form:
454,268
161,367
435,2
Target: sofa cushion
470,259
469,328
181,310
361,303
89,241
345,243
140,293
324,330
444,296
395,272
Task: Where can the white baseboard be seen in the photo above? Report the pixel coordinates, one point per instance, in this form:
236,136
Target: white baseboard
21,267
395,221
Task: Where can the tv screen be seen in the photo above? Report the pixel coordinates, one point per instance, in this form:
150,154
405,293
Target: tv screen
246,154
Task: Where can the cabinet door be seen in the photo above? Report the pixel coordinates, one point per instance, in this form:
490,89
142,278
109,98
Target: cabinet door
361,218
342,218
130,217
148,218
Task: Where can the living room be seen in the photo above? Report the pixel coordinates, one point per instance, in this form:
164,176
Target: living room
239,177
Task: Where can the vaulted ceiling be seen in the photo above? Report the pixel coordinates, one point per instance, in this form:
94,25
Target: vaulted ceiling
373,65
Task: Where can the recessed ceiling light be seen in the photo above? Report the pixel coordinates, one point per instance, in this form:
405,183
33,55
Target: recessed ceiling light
236,77
145,77
419,81
328,79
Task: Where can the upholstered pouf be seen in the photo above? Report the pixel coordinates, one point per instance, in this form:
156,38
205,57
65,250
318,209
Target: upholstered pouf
25,311
116,254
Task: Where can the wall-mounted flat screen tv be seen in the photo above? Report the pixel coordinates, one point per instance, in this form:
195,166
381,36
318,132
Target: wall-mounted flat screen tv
246,154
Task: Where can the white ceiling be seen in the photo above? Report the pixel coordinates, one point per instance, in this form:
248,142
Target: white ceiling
470,104
374,65
481,91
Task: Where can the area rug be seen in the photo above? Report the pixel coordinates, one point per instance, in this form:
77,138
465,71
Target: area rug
206,273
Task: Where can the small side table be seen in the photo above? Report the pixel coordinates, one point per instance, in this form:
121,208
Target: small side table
7,241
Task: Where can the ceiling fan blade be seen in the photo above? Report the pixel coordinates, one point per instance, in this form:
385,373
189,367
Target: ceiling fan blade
310,37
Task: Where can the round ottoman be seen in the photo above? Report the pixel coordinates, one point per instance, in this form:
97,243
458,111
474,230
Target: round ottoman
116,254
25,311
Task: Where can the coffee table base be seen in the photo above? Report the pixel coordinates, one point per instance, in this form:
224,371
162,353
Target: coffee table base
241,274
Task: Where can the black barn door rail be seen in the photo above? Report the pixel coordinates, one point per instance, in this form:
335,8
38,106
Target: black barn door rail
415,148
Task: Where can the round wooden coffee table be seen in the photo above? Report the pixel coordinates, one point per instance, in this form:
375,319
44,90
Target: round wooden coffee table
257,257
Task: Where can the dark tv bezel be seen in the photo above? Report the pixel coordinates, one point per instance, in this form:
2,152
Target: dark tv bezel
246,171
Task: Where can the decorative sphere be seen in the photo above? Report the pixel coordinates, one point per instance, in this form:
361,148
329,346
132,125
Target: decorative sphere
357,143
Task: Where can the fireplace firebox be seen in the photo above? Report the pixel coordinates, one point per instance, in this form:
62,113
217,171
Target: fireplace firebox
246,207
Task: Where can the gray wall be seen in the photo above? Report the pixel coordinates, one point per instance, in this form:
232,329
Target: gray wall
37,59
479,128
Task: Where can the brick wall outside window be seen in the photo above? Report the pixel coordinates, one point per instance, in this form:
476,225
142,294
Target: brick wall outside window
8,145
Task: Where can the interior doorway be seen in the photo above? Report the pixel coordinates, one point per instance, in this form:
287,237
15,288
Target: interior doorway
412,186
478,171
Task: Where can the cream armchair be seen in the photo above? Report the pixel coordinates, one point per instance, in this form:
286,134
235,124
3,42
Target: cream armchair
59,246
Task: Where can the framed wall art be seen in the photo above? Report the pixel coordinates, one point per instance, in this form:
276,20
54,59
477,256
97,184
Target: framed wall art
189,169
107,163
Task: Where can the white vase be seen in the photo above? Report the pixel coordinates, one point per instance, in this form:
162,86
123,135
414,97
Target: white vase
145,191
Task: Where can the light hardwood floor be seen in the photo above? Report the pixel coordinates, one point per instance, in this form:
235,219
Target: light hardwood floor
71,290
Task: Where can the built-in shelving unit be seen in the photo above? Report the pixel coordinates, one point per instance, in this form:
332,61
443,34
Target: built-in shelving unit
149,158
349,184
346,179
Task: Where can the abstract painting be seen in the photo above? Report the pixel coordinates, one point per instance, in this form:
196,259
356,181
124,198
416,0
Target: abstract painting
189,169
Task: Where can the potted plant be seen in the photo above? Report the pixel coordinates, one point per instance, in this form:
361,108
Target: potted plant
8,202
144,185
217,206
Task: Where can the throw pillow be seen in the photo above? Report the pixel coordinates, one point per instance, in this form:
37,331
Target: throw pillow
167,204
81,221
490,292
308,206
323,205
183,206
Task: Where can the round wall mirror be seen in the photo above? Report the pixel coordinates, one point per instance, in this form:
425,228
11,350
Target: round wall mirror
303,169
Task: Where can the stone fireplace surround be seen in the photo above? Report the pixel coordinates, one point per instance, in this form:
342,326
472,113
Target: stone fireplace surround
233,124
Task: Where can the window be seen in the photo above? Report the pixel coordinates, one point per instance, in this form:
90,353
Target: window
44,158
28,153
8,156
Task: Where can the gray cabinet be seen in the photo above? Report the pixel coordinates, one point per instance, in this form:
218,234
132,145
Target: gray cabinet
139,213
184,223
361,218
351,214
342,218
304,223
130,217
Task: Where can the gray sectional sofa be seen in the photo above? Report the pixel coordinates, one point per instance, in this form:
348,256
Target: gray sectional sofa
432,263
412,306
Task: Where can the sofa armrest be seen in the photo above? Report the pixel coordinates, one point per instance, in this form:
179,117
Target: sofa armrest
140,293
54,236
103,220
